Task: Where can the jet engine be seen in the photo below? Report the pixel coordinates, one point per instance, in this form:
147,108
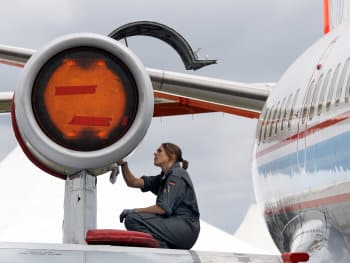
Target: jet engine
83,102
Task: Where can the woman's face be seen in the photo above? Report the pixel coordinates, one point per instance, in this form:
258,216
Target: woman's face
160,157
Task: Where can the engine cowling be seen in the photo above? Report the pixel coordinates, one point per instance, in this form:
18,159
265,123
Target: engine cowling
83,102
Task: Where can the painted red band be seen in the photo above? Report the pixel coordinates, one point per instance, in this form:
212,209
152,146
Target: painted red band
184,105
75,90
305,133
295,257
330,200
11,63
91,121
326,28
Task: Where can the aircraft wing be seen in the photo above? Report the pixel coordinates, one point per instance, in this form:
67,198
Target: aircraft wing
175,93
69,253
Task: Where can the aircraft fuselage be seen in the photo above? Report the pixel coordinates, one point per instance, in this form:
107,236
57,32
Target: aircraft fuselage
301,163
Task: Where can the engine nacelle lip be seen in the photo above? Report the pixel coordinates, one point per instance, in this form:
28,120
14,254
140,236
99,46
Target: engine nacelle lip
53,154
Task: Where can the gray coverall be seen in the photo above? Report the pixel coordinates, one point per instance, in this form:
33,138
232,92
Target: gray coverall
179,227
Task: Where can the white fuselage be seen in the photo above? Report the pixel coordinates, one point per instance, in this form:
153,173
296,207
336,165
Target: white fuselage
301,158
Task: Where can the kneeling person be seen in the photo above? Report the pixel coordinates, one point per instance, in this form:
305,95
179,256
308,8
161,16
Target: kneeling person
174,219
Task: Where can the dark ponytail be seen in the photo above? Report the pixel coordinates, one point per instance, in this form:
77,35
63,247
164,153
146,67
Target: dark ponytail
184,164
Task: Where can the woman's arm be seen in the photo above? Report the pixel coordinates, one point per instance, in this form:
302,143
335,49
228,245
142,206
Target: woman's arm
154,209
129,178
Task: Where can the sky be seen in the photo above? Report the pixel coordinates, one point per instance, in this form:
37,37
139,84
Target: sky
254,41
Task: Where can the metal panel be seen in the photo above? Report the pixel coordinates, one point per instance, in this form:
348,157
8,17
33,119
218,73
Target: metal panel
55,253
240,96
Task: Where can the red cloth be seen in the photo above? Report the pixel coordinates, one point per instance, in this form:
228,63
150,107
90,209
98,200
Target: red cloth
120,238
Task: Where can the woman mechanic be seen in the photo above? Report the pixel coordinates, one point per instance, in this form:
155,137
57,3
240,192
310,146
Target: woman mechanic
174,219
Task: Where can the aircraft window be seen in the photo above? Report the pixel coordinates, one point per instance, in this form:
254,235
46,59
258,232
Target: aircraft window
341,82
286,109
331,88
323,92
293,109
347,89
267,122
278,119
263,120
308,99
314,97
273,120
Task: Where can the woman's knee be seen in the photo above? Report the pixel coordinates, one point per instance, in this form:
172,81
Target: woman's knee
132,221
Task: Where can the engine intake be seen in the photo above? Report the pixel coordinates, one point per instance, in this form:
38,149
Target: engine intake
83,103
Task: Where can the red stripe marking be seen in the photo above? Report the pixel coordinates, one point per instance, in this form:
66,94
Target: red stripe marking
210,106
295,257
326,27
10,63
174,108
91,121
305,133
75,90
330,200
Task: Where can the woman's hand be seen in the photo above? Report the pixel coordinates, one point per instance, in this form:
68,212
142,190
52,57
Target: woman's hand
122,163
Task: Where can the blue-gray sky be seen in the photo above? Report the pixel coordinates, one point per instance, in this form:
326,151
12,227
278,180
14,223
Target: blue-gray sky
254,41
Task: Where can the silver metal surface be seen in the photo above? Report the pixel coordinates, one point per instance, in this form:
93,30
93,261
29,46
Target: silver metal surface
15,55
301,173
6,101
244,96
55,253
239,95
80,207
59,158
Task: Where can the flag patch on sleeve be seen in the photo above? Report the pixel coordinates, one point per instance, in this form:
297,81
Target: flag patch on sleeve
172,183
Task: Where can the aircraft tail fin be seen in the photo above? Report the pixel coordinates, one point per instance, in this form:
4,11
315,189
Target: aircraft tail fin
335,13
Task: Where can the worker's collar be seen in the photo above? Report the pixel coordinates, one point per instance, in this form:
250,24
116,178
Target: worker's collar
165,175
